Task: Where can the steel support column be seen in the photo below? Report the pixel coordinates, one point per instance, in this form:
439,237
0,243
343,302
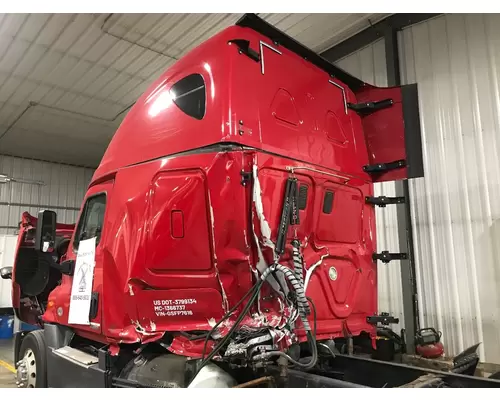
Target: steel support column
405,232
371,34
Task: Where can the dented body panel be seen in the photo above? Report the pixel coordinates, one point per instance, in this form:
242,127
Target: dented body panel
215,253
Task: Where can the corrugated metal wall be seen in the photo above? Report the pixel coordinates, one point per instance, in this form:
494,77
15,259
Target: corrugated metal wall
455,59
63,190
456,208
369,65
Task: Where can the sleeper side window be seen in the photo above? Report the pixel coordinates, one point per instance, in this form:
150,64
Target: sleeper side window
92,220
189,94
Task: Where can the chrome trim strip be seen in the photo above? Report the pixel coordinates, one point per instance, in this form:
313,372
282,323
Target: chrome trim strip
261,46
343,94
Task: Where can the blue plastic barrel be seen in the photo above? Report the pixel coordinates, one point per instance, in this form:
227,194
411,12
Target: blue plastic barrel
6,326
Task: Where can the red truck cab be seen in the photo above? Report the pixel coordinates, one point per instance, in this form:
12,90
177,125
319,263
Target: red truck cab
250,157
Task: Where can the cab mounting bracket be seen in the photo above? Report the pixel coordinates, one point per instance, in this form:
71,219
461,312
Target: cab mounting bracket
387,257
384,167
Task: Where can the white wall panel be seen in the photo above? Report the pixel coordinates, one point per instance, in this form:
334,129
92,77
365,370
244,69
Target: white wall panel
455,59
369,65
7,250
63,190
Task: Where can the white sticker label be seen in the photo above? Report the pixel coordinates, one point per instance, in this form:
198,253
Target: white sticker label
81,291
173,308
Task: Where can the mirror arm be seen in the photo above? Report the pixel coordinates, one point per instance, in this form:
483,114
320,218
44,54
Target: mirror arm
66,267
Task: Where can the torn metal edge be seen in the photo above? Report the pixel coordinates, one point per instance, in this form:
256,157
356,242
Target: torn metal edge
225,304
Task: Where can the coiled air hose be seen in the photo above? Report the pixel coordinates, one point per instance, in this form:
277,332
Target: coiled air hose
298,288
298,268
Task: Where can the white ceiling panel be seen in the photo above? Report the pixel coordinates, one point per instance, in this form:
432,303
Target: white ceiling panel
85,70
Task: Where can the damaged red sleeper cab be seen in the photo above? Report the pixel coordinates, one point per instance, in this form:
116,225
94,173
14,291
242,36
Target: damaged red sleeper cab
228,218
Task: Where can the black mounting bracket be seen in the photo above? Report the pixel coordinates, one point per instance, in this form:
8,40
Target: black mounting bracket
370,106
387,257
245,177
94,304
382,318
382,201
244,48
67,267
384,167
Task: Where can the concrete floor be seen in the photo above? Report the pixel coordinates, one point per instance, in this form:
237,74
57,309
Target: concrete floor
7,377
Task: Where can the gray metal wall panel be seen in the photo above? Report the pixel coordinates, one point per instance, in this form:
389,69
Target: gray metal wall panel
455,59
64,188
369,65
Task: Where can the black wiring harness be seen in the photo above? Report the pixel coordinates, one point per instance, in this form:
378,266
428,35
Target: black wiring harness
253,294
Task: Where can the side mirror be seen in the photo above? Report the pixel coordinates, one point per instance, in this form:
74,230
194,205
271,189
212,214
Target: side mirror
6,273
45,235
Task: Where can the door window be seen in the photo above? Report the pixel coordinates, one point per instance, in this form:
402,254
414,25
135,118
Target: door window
92,220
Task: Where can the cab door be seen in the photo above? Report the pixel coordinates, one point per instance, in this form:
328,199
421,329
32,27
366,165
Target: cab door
91,224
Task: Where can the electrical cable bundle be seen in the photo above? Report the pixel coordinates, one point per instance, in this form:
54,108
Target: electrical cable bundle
253,293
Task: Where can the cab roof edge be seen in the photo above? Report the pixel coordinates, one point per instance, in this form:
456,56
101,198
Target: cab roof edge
257,24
